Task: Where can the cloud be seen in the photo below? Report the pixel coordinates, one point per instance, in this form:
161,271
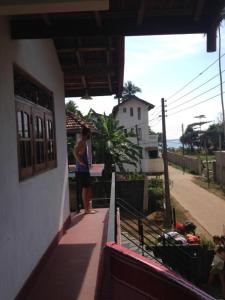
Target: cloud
158,48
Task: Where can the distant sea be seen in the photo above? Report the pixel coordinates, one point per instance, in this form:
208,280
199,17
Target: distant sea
174,143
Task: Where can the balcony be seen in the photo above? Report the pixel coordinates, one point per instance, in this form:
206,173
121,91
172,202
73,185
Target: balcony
152,166
90,263
152,142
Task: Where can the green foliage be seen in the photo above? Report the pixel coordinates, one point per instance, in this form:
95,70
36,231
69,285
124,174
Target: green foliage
135,176
72,107
210,138
70,147
206,243
112,146
155,189
129,89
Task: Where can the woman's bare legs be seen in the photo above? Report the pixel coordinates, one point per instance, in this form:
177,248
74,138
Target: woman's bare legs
86,197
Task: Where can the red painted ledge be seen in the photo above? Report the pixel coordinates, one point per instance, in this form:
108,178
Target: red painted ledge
34,274
128,274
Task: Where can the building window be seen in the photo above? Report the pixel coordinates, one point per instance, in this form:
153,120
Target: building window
35,126
131,111
139,113
125,131
139,134
124,109
132,131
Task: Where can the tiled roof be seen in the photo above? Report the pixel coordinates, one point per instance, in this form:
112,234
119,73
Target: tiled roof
76,122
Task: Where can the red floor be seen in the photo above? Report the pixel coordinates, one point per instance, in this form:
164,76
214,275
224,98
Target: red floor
71,271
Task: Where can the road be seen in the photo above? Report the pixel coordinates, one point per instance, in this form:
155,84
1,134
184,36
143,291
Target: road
207,208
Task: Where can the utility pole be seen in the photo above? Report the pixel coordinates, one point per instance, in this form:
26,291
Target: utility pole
182,128
136,129
221,88
207,162
168,221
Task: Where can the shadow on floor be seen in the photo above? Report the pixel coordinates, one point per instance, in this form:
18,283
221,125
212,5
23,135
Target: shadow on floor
62,277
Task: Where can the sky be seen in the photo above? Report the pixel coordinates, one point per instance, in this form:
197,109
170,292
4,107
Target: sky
161,66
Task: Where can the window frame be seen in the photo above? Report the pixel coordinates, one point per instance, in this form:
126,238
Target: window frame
131,111
139,113
40,161
24,172
139,133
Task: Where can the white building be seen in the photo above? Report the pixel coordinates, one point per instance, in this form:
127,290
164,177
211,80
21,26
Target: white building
132,113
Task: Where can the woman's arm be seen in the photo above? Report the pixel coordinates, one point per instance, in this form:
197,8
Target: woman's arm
77,152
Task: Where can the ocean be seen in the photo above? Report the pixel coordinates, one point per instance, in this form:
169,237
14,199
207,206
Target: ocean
175,143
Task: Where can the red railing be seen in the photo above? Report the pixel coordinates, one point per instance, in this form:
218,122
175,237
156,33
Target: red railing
128,275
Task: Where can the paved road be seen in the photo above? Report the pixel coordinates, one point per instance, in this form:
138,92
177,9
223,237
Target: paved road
205,207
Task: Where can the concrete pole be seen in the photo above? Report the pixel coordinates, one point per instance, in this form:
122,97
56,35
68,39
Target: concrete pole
168,221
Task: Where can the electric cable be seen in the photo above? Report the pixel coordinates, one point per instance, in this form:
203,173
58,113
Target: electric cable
195,77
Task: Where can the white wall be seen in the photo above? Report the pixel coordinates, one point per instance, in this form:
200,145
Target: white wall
32,211
130,121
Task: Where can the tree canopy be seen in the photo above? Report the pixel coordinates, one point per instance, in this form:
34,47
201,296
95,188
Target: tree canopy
129,89
112,145
72,107
211,138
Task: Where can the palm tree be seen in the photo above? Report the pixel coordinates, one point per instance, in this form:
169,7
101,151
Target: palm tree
112,145
72,107
129,89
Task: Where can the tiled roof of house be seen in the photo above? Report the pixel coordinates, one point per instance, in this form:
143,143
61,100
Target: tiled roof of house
74,122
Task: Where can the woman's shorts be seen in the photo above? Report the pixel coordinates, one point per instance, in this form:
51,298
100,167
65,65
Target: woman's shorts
84,179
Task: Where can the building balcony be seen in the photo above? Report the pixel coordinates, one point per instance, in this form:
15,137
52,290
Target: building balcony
152,142
152,166
90,263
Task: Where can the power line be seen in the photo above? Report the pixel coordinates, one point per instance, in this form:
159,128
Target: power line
156,112
194,105
196,88
189,100
195,77
156,123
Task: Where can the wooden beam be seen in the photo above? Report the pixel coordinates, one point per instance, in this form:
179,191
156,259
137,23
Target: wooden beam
152,26
109,61
80,64
141,13
85,49
120,73
198,9
211,38
71,70
214,21
51,6
47,20
94,92
98,18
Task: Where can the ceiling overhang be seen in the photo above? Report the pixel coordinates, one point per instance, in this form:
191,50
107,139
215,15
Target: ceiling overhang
90,44
18,7
92,66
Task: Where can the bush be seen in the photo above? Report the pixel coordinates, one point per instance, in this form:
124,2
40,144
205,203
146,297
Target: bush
155,193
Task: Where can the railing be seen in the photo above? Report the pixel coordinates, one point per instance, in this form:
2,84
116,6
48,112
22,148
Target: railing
123,273
187,260
111,234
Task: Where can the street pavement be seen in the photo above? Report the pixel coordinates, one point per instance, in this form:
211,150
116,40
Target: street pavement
207,208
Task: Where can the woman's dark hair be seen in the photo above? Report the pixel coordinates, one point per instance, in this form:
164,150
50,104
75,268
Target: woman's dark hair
85,131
